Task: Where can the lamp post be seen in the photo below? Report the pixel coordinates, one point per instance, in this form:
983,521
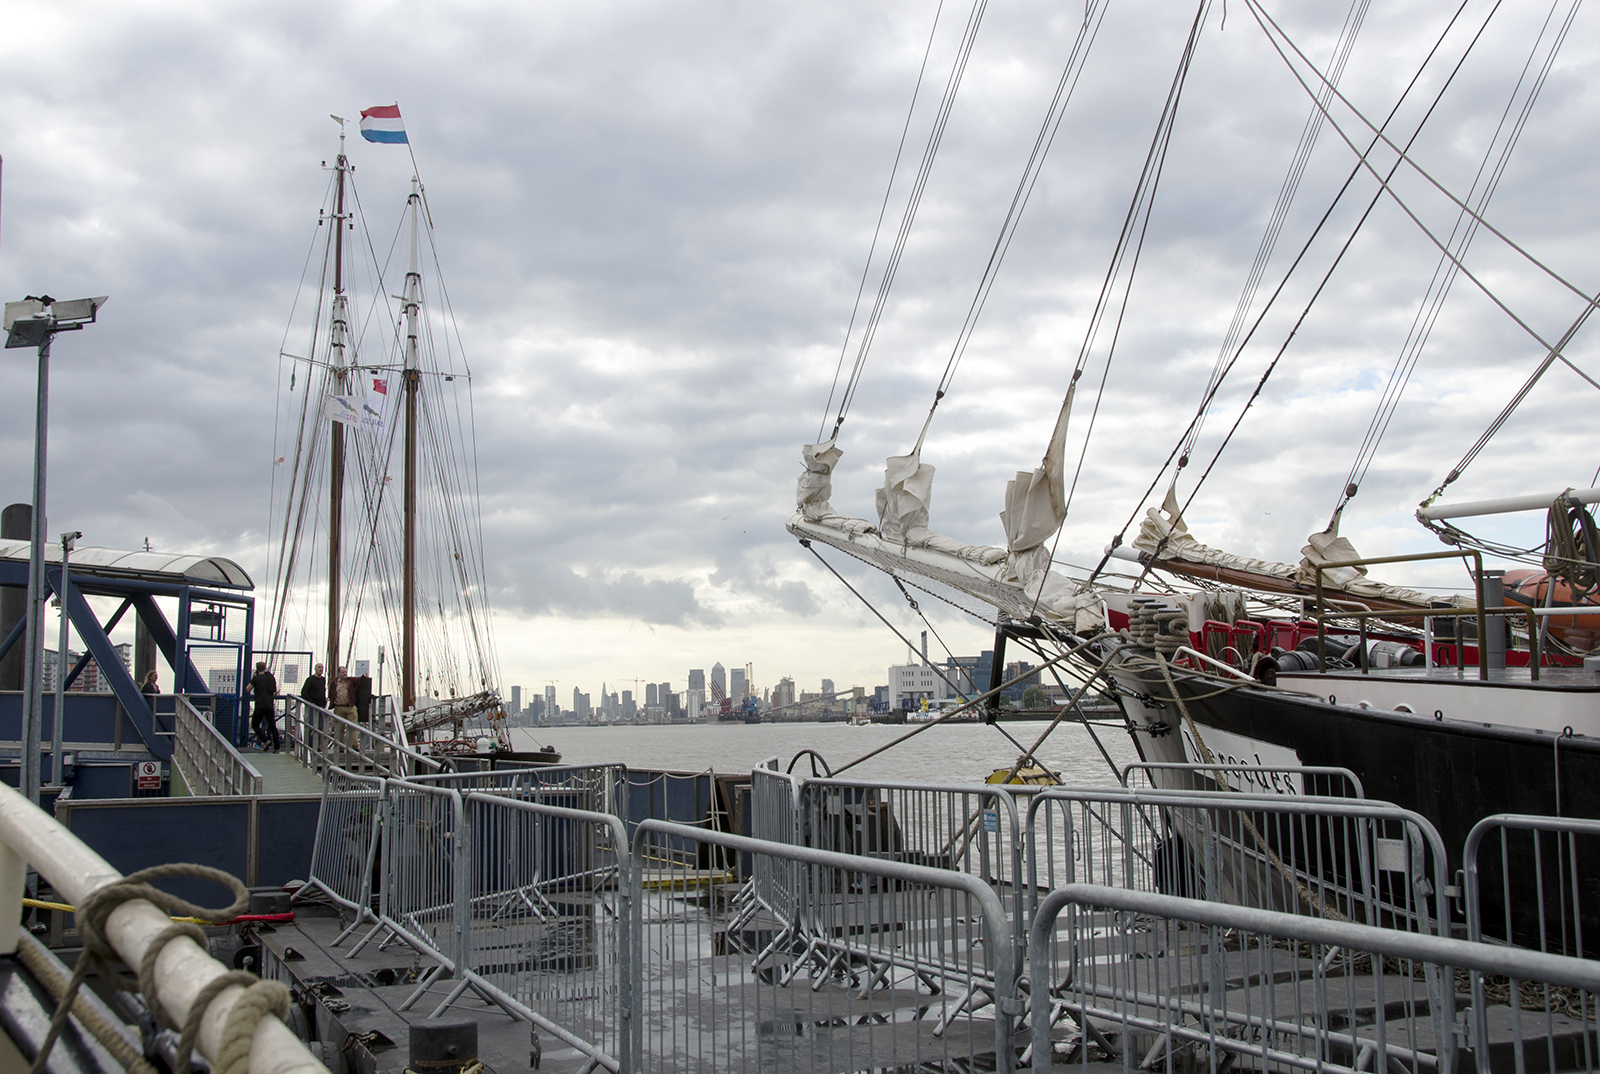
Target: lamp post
34,322
58,717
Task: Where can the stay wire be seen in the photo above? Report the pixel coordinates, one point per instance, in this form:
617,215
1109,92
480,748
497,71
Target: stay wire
1305,248
1306,310
1444,272
883,209
1066,85
913,203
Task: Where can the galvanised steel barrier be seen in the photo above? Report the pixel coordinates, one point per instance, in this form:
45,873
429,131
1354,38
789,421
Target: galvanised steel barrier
1320,780
966,828
205,758
1538,887
700,1004
596,788
776,884
346,844
548,916
422,899
1197,985
1340,858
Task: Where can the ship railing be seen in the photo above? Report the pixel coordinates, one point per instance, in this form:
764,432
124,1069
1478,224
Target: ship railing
1159,980
31,838
1338,858
598,788
318,738
702,1006
205,759
1323,781
547,919
346,844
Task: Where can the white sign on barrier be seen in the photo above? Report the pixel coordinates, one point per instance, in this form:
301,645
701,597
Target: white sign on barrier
147,775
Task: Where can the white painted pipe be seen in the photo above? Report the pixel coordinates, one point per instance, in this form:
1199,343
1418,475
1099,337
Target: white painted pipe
1124,551
1504,506
31,836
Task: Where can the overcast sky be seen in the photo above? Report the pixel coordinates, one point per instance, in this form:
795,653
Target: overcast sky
653,219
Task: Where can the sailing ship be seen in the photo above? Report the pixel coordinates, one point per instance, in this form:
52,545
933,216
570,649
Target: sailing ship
1483,703
370,562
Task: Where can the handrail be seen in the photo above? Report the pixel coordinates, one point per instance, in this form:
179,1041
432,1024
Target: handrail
29,836
1415,557
235,775
335,731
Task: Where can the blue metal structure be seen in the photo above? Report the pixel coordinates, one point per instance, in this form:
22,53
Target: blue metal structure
139,578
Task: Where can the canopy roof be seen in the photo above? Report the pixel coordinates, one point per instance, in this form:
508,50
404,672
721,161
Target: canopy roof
145,566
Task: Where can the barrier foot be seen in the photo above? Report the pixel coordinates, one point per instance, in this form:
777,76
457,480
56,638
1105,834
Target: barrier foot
361,919
485,994
455,994
422,987
356,950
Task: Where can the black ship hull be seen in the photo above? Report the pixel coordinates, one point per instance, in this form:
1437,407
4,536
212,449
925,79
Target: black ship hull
1453,772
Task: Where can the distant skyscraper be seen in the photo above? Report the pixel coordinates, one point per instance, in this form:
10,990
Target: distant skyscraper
516,698
697,679
719,682
652,696
738,688
550,701
827,687
628,711
577,701
664,694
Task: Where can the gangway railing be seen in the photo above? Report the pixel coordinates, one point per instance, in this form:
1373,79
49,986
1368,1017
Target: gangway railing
205,759
318,739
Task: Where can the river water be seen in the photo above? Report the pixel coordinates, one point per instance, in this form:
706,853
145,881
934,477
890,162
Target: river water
945,753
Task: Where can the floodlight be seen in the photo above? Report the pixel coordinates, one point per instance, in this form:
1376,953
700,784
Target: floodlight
77,309
28,332
16,311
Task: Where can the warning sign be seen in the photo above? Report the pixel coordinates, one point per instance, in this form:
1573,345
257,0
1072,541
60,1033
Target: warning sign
147,775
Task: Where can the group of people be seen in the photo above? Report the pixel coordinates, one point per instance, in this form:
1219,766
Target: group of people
264,691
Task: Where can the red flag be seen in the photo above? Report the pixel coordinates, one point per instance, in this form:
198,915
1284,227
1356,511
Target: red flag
380,386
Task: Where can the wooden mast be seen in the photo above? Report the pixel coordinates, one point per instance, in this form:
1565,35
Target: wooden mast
408,560
336,446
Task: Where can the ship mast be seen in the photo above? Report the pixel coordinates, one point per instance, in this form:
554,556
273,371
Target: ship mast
336,367
408,559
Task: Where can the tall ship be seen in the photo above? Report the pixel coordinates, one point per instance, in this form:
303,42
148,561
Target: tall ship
377,546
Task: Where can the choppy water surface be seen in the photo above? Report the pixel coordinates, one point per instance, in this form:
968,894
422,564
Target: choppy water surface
961,753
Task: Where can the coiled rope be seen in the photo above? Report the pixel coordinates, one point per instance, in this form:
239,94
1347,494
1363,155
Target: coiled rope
260,997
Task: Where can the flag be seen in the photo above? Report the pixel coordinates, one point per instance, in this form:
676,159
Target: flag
345,409
382,124
380,386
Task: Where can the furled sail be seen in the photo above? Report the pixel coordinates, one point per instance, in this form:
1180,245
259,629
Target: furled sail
1015,579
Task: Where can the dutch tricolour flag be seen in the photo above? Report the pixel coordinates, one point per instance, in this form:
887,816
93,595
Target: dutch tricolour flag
382,124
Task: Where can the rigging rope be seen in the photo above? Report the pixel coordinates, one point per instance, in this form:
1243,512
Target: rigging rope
913,202
1445,271
1093,16
1305,248
844,348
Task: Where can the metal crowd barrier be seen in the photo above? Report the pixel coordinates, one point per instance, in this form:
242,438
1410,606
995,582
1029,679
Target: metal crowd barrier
346,844
596,788
701,1005
1546,863
1345,859
1319,780
547,918
776,885
1156,979
205,759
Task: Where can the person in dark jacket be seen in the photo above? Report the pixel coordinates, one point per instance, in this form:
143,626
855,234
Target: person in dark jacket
263,720
150,688
315,688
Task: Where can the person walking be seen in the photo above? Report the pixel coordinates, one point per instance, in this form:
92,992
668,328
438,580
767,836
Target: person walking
315,688
150,688
263,720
